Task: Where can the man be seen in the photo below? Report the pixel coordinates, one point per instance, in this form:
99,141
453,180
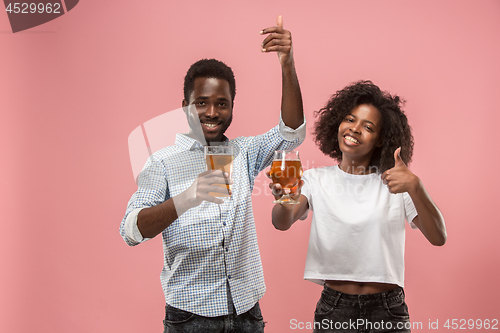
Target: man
212,276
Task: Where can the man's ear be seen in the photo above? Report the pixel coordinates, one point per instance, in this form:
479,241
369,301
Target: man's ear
184,103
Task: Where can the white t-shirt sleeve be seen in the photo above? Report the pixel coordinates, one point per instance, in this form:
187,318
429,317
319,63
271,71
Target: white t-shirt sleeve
306,190
410,210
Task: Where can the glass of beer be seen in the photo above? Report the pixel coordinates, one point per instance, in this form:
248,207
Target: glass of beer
286,170
220,158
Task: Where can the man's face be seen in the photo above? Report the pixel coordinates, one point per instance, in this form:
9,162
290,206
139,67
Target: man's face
212,99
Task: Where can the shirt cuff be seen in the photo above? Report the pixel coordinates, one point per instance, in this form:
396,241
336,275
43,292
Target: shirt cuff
131,229
290,134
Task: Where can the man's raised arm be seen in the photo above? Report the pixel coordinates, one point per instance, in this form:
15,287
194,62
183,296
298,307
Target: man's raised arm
280,40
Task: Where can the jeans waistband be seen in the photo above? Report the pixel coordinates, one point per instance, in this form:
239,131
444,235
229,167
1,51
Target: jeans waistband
385,299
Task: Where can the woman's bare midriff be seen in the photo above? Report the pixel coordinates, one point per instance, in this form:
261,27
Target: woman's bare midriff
359,288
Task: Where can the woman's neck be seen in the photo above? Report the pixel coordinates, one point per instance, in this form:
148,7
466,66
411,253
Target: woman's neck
356,167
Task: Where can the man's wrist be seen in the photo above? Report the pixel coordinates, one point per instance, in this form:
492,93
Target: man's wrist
288,66
181,204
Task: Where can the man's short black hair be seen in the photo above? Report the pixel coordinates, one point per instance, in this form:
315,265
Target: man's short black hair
208,68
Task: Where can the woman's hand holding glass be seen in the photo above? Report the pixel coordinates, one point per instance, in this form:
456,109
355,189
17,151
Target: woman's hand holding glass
278,191
286,174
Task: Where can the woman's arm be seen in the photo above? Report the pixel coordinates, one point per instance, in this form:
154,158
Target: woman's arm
429,220
284,215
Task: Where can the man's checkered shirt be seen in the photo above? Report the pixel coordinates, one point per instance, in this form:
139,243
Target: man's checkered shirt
210,246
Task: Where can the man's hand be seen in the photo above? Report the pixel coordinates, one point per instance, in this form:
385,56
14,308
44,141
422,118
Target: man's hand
278,40
198,192
400,179
153,220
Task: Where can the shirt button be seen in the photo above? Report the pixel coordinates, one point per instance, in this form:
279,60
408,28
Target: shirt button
227,249
229,276
224,223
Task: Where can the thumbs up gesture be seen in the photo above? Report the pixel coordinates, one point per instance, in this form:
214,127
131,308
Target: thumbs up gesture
400,179
278,40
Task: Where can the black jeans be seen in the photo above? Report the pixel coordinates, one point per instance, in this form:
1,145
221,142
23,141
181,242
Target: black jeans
381,312
179,321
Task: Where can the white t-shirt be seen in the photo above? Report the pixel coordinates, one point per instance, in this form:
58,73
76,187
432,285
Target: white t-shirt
358,227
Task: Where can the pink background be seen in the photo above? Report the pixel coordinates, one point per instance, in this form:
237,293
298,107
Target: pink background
72,90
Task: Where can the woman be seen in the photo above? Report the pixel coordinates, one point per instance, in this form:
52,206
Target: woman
356,246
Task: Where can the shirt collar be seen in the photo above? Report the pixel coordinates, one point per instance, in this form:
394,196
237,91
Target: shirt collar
188,143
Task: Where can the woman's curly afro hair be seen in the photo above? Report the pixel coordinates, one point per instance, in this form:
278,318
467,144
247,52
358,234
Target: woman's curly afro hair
395,130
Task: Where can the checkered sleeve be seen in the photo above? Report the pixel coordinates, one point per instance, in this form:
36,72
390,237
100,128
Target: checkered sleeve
280,137
152,190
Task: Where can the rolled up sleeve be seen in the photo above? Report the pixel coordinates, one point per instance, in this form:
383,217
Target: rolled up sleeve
293,134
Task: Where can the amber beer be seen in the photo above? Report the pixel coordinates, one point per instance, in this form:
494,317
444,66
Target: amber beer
286,170
220,158
290,176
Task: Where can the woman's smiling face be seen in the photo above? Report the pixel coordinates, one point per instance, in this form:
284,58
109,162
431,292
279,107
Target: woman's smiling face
359,132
